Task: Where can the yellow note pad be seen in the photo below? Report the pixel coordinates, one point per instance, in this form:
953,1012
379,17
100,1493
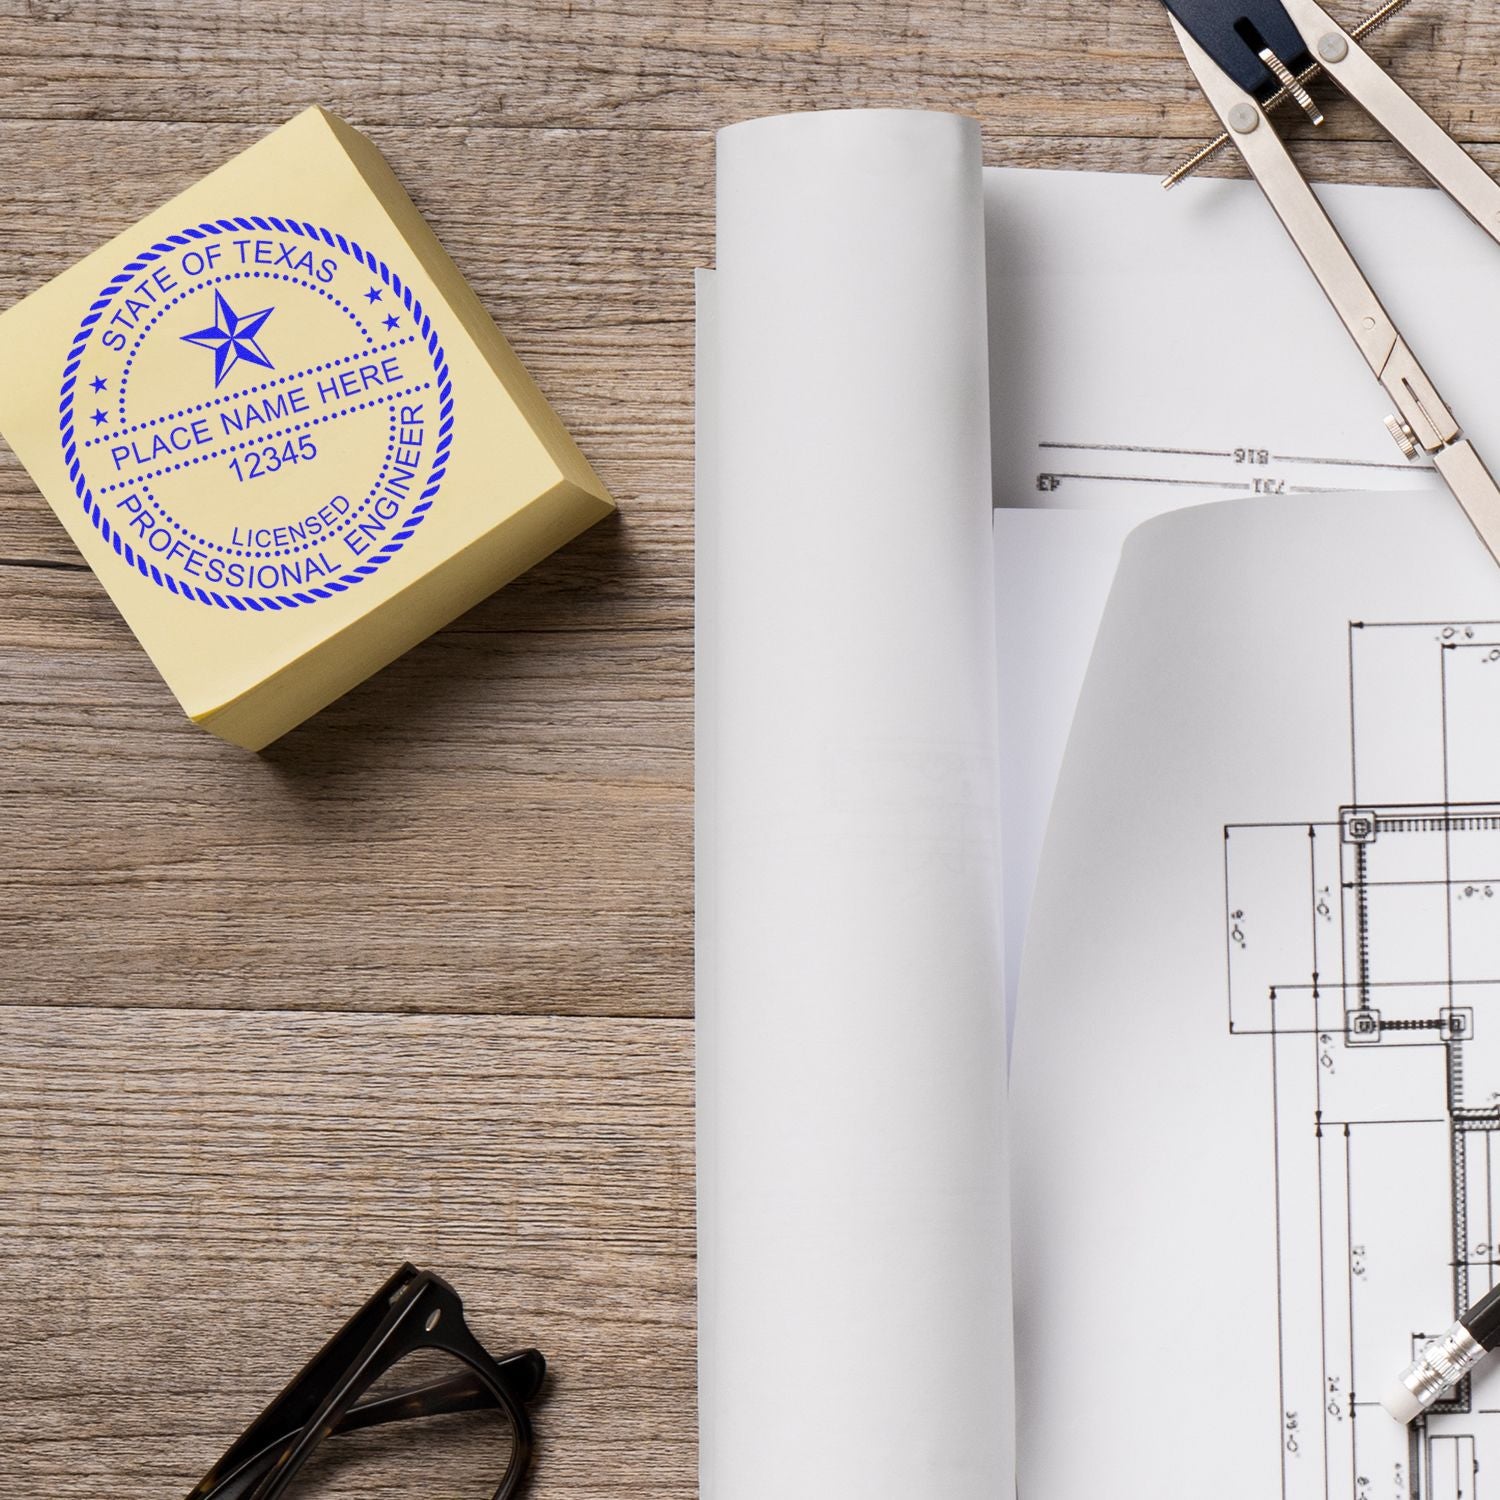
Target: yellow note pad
283,431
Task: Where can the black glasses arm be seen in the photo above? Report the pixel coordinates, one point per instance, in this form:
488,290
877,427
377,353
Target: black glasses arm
413,1310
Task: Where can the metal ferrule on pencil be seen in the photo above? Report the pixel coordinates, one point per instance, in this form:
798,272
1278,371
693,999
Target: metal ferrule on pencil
1440,1364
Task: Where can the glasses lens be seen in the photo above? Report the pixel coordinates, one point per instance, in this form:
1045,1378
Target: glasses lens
452,1454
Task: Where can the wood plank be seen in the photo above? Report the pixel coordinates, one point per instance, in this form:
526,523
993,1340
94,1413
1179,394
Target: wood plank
194,1201
1032,67
500,820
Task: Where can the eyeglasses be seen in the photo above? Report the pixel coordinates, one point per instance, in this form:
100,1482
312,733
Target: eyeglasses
414,1311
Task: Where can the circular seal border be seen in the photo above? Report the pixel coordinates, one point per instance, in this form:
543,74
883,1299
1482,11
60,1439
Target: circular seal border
257,602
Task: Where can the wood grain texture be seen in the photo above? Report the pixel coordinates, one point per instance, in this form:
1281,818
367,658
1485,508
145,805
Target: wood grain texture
194,1201
416,983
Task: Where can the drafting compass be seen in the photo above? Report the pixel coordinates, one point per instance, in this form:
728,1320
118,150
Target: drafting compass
1250,56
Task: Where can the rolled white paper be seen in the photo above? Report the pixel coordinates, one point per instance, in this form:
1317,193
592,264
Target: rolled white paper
853,1237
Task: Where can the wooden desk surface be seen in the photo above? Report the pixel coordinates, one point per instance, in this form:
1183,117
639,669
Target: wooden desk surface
416,982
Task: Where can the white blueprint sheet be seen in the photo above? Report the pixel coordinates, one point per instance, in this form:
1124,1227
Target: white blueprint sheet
1256,1080
1150,350
1145,351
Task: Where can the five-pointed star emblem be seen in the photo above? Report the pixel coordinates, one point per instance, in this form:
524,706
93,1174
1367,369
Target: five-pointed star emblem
232,338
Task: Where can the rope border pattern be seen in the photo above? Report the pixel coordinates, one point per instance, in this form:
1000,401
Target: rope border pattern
257,602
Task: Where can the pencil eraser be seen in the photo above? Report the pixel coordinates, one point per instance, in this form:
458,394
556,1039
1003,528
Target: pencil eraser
283,432
1401,1403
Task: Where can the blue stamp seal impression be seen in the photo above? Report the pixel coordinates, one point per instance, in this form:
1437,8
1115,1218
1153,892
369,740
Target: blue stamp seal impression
256,414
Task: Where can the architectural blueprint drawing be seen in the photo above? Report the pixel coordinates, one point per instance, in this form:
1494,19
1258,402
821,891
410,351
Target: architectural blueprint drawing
1256,1081
1363,950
